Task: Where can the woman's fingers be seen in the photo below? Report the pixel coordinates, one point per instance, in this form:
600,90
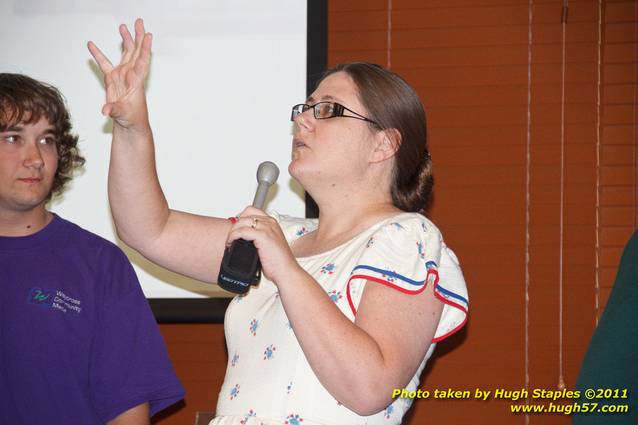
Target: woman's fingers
103,62
143,61
127,44
265,232
132,49
248,226
140,34
249,221
137,53
124,82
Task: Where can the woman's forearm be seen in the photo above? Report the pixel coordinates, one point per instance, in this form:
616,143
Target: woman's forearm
358,368
137,202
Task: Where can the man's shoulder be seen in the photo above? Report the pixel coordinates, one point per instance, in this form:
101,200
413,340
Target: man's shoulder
87,241
100,258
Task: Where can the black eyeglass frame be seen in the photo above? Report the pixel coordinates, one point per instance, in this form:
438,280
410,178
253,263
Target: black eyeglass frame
338,110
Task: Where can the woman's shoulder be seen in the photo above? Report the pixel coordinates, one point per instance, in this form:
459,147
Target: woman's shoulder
294,227
409,223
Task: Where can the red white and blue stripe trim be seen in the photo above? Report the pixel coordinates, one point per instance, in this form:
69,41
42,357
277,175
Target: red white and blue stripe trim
410,287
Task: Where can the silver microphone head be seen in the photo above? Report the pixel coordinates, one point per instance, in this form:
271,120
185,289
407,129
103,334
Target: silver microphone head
267,173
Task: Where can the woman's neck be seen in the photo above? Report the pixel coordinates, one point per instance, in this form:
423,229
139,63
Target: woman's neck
346,208
340,221
336,222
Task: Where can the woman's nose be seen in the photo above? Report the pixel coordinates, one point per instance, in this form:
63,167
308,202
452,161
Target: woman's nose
305,120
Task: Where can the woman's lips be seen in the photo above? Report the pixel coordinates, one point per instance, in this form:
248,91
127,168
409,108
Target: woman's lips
298,144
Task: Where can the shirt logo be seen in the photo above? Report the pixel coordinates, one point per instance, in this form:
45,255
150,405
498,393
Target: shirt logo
41,297
55,299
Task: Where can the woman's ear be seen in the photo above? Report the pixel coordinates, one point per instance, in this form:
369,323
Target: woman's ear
387,143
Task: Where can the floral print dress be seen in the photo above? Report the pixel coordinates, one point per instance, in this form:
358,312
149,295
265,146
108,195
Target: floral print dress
268,379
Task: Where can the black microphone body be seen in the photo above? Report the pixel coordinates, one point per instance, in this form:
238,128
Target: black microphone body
240,267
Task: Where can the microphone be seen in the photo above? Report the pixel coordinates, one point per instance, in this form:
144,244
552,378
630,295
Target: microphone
240,267
267,174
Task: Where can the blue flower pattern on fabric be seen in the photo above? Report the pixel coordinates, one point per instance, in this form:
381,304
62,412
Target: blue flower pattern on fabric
251,414
335,295
329,268
388,411
269,352
235,359
254,324
234,392
431,265
398,226
389,278
419,247
370,242
301,231
293,419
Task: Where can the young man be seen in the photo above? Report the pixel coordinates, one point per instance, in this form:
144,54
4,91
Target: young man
78,342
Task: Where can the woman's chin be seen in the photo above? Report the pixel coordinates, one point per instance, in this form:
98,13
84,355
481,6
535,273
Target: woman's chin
295,168
299,171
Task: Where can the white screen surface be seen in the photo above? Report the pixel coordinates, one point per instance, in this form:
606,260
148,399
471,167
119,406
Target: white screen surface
223,77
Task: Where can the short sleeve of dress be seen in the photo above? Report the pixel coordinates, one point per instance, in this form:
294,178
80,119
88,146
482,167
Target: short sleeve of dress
129,361
408,254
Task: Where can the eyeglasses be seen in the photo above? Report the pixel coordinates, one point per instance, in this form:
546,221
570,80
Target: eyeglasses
325,110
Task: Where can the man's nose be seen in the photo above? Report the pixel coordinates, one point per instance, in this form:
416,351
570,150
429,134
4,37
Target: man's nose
33,157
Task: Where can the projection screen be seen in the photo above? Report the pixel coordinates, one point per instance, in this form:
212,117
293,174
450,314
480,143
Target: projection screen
224,75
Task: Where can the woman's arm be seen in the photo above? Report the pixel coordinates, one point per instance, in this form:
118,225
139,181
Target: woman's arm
138,415
361,363
185,243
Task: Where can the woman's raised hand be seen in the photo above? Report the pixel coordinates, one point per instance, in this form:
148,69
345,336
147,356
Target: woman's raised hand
125,98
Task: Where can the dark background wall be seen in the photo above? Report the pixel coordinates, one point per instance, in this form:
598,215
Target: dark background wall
532,110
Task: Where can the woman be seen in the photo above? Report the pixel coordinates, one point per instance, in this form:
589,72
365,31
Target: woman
350,305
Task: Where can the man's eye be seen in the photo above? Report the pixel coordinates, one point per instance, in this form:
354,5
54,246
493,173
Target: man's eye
49,140
10,138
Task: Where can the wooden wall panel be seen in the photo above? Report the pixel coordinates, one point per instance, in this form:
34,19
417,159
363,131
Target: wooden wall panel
198,353
618,151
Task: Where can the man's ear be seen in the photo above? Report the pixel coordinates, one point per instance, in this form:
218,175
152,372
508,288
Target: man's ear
387,144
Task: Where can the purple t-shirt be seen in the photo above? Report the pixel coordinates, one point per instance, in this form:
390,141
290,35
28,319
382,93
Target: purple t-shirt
78,342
